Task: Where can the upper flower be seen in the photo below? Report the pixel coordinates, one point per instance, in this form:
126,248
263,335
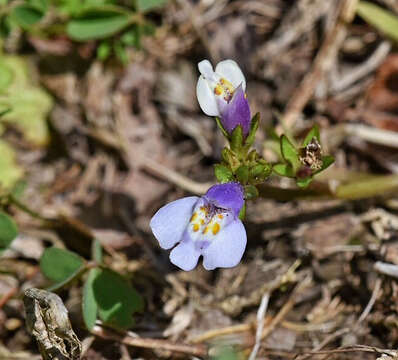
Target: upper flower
207,226
222,93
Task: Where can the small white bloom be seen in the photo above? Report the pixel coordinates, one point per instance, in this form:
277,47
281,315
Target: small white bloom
215,88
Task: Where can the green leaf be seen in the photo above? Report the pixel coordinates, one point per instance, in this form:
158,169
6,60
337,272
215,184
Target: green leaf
5,76
260,172
284,170
221,127
230,158
132,37
242,212
146,5
89,305
10,172
41,5
98,24
236,139
313,133
327,160
60,265
242,174
26,15
251,192
383,20
303,183
253,129
120,52
104,50
29,103
289,153
8,231
117,300
223,173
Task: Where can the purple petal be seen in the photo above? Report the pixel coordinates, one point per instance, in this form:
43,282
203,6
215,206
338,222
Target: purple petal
236,112
227,249
185,255
226,196
169,222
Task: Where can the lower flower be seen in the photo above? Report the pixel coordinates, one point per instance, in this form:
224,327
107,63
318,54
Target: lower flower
207,226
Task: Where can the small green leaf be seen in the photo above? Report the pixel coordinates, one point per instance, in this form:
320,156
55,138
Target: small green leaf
98,24
120,52
221,127
230,158
303,183
383,20
260,172
251,192
327,160
236,139
26,15
104,50
223,173
289,153
89,305
8,231
41,5
313,133
117,300
242,212
253,129
60,265
283,170
132,37
146,5
242,174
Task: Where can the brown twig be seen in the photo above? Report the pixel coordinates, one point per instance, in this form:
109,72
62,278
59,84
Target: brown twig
159,344
322,62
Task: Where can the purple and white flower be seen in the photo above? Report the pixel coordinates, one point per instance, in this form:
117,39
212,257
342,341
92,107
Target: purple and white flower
207,226
222,93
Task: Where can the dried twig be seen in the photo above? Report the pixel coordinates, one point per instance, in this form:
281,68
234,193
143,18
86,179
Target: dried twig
158,344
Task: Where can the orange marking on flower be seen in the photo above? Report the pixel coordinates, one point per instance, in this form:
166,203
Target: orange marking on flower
202,222
194,216
218,90
216,228
195,227
206,229
220,216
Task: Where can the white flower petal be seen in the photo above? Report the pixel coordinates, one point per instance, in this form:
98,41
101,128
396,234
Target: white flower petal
227,249
206,98
185,256
206,69
171,220
230,70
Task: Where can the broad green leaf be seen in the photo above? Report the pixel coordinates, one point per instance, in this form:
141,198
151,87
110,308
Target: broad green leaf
253,129
242,174
283,170
223,173
289,153
60,265
98,24
117,300
383,20
8,231
29,104
26,15
146,5
236,139
10,172
89,305
313,133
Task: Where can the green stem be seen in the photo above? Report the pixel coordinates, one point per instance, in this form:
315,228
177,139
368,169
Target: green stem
355,190
13,200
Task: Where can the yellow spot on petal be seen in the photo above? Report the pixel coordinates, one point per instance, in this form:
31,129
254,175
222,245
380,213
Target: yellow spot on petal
194,216
220,216
195,227
205,230
216,228
202,222
245,96
218,90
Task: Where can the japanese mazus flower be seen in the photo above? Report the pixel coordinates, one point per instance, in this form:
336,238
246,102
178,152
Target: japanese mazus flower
222,93
207,226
